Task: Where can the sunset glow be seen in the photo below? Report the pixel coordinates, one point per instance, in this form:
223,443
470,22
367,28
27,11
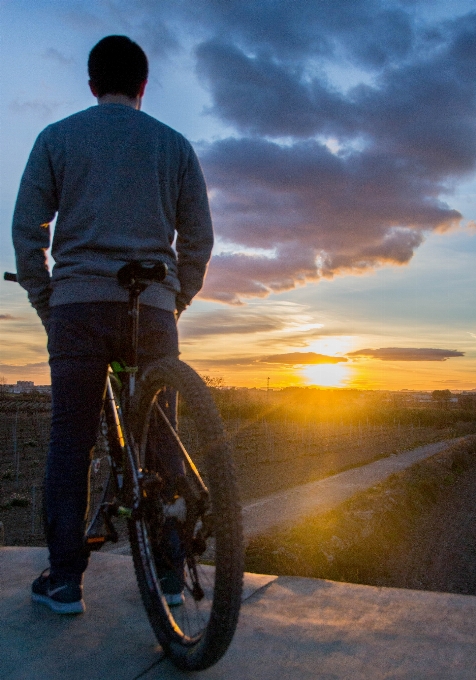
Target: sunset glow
328,375
336,145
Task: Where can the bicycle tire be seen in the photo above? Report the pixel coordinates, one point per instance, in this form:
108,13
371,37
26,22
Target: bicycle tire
196,634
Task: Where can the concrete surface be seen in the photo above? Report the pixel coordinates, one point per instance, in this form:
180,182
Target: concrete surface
290,628
287,507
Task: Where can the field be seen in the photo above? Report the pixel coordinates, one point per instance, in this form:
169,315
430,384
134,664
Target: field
279,440
416,530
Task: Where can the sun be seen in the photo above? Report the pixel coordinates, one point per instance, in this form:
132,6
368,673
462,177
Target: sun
327,375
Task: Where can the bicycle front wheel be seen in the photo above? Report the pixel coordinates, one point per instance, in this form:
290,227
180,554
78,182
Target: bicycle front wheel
204,508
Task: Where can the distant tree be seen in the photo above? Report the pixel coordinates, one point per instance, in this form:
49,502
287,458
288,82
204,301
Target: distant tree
213,381
442,397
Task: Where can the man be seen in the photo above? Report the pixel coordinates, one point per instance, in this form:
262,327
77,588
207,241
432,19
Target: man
122,186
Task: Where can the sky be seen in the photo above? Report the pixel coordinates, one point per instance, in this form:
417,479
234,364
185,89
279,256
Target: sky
338,142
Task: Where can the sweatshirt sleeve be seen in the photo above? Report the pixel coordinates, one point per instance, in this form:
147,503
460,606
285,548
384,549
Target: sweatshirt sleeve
194,232
35,208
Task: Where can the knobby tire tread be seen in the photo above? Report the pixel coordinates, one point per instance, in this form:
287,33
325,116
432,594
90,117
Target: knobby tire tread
222,484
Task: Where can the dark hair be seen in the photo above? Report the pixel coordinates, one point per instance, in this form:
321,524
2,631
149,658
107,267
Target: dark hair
117,65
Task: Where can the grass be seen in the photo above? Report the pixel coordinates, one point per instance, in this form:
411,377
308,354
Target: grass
358,541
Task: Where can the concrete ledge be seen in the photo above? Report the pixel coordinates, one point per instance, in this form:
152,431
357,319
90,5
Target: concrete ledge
290,628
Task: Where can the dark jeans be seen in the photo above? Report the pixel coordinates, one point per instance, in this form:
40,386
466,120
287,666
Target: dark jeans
82,339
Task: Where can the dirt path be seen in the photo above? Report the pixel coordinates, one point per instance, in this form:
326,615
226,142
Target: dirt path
415,530
288,507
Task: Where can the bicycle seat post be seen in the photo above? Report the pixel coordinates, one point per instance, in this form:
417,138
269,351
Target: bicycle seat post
134,292
136,277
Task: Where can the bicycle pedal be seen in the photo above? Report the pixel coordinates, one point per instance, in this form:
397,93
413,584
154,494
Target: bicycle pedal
95,542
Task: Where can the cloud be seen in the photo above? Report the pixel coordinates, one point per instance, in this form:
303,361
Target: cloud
421,109
260,96
367,31
38,367
323,214
301,358
82,19
407,354
42,109
229,322
55,55
272,325
9,317
151,24
234,276
225,362
338,177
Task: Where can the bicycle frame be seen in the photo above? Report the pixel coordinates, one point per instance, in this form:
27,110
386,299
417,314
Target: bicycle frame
135,278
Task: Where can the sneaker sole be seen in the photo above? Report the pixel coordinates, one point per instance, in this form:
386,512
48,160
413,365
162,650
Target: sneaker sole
174,599
60,607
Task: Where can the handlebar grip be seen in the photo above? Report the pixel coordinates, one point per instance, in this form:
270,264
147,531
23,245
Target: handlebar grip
8,276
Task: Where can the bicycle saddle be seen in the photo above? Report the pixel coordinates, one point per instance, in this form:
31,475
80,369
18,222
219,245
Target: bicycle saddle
142,273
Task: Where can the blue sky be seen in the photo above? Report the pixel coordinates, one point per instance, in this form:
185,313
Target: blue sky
338,142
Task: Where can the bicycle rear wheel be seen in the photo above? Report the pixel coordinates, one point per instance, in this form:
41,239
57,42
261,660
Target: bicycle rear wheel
206,512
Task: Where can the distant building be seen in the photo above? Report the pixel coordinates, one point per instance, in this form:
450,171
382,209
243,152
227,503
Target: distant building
423,397
26,387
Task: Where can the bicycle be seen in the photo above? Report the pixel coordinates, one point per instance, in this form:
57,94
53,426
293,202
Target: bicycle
126,481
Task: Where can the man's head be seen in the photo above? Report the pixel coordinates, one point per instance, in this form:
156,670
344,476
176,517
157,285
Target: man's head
117,65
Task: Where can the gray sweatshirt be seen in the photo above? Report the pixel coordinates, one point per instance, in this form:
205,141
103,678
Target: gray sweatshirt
122,185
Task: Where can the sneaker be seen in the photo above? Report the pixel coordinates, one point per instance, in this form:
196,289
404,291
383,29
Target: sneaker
62,595
174,599
172,588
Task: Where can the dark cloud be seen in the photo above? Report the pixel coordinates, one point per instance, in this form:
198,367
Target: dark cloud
8,317
324,214
335,182
368,31
232,277
301,358
260,96
407,354
423,110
